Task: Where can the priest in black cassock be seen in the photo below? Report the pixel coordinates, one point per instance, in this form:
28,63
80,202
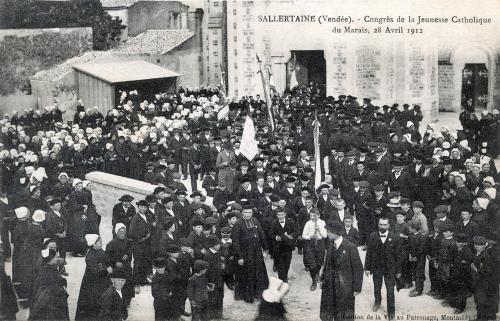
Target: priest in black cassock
248,243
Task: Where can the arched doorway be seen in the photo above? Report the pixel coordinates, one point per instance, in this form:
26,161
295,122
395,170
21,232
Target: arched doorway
473,66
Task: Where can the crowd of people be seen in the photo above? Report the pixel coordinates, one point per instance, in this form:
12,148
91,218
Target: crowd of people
407,195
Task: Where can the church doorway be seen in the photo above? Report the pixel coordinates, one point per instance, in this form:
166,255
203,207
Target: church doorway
475,85
307,66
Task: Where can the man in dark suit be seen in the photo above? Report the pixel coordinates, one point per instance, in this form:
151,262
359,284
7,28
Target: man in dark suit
383,261
112,307
350,232
56,225
123,212
195,156
283,234
342,276
140,233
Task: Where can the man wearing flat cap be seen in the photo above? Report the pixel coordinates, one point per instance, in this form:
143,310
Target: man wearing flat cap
342,276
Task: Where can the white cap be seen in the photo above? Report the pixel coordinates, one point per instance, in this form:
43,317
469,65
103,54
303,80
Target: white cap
21,212
91,239
119,226
76,181
38,216
491,192
483,202
489,179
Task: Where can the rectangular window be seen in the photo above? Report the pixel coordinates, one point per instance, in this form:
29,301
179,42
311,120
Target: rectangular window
235,38
234,11
235,26
215,54
215,42
216,3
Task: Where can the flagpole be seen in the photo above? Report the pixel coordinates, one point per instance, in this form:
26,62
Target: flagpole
267,96
317,156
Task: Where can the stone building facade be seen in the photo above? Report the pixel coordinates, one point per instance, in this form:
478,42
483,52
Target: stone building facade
214,42
431,69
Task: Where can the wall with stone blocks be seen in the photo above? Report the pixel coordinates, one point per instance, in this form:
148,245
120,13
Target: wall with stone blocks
446,87
107,189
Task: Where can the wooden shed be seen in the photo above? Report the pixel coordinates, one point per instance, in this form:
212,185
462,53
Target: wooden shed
99,84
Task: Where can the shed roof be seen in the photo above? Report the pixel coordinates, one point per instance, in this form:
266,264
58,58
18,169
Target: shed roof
156,42
116,72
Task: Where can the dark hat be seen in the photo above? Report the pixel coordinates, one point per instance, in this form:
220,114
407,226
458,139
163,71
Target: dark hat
348,217
160,262
200,265
479,240
274,198
230,215
441,209
461,237
290,179
415,224
335,227
305,188
447,227
196,206
54,201
168,200
226,230
210,220
212,240
142,203
194,194
150,198
168,224
405,200
418,204
246,206
180,192
158,190
245,179
119,274
324,186
172,248
268,189
379,188
197,222
126,198
364,184
334,192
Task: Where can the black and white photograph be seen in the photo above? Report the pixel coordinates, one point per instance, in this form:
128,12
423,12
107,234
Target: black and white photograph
249,160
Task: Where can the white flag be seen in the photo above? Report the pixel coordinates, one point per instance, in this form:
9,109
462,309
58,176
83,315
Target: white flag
223,113
248,145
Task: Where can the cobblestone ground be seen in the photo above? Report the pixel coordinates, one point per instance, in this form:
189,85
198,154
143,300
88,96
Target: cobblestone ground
301,303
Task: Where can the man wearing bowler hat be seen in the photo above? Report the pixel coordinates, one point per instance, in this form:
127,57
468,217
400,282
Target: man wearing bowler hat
342,276
123,212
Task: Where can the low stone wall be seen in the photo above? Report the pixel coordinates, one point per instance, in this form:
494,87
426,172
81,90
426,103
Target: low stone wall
107,189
